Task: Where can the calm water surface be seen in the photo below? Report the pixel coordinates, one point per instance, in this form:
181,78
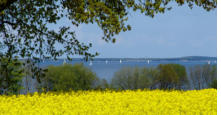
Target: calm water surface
106,69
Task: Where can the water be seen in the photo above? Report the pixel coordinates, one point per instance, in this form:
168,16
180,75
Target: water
106,69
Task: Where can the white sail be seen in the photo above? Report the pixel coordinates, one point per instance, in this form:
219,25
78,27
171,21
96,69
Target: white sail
148,61
120,61
90,64
208,62
106,61
64,62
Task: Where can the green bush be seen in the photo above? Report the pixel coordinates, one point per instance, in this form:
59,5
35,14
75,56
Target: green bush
202,76
133,78
171,76
69,77
213,84
182,75
102,84
11,74
168,78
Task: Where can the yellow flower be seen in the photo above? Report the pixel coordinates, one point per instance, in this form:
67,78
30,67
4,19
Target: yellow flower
127,102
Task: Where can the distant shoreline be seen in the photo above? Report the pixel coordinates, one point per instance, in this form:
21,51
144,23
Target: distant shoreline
187,58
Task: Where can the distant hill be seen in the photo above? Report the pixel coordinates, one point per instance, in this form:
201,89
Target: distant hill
187,58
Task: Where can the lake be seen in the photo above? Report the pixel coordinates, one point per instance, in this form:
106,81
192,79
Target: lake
106,69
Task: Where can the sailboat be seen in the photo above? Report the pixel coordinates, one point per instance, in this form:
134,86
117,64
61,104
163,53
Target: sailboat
148,61
106,61
120,61
208,62
90,64
64,62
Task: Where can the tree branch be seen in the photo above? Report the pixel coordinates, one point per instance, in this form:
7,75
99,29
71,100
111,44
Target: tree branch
4,5
9,23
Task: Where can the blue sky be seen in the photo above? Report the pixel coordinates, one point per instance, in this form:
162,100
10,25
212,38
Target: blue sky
176,33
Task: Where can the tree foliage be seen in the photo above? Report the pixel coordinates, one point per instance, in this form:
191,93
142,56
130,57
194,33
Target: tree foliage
168,78
171,76
102,84
182,75
11,74
213,84
26,25
69,77
133,78
203,76
27,22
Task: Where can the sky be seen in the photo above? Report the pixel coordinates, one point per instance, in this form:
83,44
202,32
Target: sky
176,33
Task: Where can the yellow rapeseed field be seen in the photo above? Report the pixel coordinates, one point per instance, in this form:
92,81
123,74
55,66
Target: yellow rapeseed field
156,102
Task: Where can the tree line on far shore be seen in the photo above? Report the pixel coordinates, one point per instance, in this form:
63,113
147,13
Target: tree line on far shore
78,77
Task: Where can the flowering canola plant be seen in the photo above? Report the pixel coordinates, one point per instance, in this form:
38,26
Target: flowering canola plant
139,102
